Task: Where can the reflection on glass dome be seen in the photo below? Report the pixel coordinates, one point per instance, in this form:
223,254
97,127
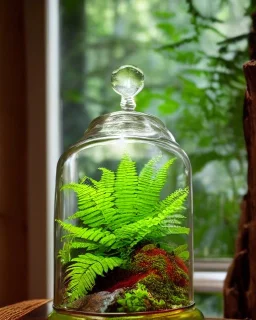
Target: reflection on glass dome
123,217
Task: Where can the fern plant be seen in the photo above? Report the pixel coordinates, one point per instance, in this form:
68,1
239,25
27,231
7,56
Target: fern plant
114,215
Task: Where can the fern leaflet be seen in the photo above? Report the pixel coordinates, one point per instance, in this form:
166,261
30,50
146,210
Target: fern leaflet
85,268
97,235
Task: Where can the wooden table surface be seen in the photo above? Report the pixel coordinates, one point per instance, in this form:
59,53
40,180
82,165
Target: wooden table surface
39,313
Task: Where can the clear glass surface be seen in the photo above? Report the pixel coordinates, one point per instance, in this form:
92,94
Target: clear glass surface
123,218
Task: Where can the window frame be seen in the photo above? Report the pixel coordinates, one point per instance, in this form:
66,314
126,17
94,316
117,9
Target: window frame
43,134
210,274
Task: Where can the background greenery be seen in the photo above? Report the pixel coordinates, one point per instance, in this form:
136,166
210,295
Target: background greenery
191,52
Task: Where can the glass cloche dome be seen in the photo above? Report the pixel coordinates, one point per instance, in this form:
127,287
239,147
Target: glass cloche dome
123,218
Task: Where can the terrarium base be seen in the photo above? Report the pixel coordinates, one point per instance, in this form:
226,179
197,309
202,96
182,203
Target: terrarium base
190,313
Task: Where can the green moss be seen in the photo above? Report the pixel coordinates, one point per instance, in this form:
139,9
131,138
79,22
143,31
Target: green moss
166,274
139,299
147,247
173,295
143,263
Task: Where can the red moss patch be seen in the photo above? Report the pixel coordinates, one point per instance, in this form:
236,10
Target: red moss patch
181,264
130,282
168,266
151,260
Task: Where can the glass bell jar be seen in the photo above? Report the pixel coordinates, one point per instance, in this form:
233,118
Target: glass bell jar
124,218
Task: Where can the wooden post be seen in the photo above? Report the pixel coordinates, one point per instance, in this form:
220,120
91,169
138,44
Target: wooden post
240,283
13,155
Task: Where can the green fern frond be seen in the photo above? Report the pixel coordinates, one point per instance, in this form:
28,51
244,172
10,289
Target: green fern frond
163,231
174,229
98,235
161,175
182,252
83,245
135,232
105,189
107,180
85,198
173,219
125,192
170,221
145,199
169,216
172,197
119,211
96,203
151,182
64,253
184,255
174,203
180,249
83,191
84,179
85,268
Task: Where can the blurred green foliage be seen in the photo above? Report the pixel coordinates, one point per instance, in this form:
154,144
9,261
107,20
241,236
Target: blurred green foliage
211,304
192,54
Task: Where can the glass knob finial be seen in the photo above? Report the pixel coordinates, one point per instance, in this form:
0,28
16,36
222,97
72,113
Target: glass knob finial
127,81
